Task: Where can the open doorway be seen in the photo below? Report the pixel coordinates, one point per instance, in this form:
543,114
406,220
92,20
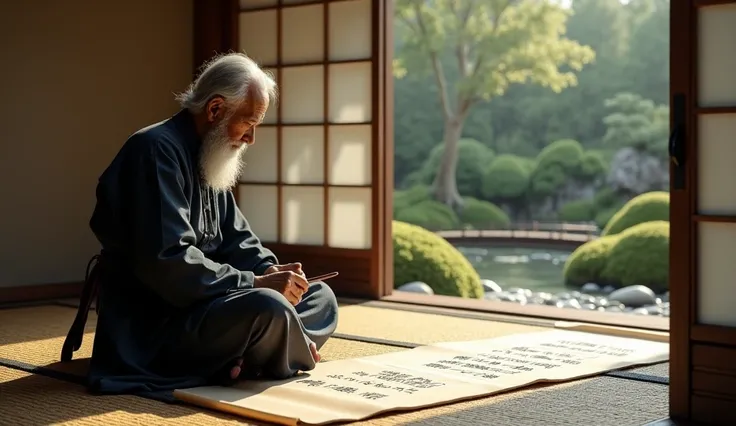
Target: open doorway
533,138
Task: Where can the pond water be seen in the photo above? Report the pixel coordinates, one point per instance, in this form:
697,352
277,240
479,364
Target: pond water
528,268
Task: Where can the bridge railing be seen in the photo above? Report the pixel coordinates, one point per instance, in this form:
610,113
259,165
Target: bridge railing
530,230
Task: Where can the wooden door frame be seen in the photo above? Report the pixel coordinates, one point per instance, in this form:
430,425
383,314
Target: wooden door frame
216,31
382,284
682,57
697,351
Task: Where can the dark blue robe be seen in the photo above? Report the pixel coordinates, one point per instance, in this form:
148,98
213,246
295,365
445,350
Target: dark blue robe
176,302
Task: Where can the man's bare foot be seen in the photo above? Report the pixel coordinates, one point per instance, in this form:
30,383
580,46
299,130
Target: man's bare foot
235,371
238,367
313,348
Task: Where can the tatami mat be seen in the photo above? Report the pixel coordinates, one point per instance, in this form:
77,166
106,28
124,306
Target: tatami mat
415,327
657,370
33,337
421,328
45,352
601,401
28,399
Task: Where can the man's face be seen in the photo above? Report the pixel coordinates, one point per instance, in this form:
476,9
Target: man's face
230,133
241,127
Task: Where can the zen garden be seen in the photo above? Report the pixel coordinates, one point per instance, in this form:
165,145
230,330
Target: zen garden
555,113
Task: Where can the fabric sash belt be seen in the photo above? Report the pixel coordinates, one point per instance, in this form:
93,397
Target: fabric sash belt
91,286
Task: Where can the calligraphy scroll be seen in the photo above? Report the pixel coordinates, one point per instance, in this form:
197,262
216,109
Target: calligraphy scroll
355,389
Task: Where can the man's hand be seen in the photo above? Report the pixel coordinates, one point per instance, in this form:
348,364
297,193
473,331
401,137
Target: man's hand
289,283
293,267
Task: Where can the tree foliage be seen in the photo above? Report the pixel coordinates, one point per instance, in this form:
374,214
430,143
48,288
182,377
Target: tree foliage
507,177
631,44
495,43
556,163
637,123
619,101
472,155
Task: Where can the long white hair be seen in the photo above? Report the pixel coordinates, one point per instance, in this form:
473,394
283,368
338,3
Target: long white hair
231,76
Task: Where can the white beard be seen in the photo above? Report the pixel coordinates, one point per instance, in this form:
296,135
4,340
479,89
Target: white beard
219,162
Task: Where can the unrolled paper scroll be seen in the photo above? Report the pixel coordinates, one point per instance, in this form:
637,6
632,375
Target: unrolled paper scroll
355,389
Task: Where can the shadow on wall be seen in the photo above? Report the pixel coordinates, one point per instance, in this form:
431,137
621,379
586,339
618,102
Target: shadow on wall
79,77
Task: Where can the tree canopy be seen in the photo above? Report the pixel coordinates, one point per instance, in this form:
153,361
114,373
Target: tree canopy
475,50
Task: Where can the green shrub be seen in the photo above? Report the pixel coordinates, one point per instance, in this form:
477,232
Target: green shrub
592,165
640,256
642,208
546,181
529,164
483,215
431,215
586,263
577,211
420,255
472,159
604,216
410,197
605,198
506,177
567,153
555,164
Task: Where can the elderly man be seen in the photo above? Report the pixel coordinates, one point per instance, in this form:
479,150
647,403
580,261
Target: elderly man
187,294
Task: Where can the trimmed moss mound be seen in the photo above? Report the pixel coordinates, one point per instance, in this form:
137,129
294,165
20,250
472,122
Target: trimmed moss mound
420,255
587,262
638,255
643,208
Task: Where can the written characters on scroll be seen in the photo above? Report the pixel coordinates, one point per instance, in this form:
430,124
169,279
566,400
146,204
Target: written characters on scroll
495,363
489,365
373,385
354,389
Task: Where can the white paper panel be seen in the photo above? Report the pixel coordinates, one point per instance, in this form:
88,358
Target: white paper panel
350,155
259,204
350,30
302,94
303,220
350,218
255,4
303,155
350,93
272,113
717,61
258,37
716,272
717,164
261,159
302,34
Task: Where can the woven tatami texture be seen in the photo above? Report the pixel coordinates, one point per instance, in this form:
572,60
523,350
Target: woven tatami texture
36,400
603,401
420,327
34,336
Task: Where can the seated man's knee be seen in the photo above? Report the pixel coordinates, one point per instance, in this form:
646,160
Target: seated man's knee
266,300
325,295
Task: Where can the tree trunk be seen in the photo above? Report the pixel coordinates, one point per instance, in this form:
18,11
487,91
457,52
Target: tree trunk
445,182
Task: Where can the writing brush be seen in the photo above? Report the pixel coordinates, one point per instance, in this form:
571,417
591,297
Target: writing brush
322,277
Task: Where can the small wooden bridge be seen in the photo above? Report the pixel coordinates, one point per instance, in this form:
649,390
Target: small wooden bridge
531,234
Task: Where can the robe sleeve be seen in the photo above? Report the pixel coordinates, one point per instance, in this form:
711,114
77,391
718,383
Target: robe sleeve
164,254
240,247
